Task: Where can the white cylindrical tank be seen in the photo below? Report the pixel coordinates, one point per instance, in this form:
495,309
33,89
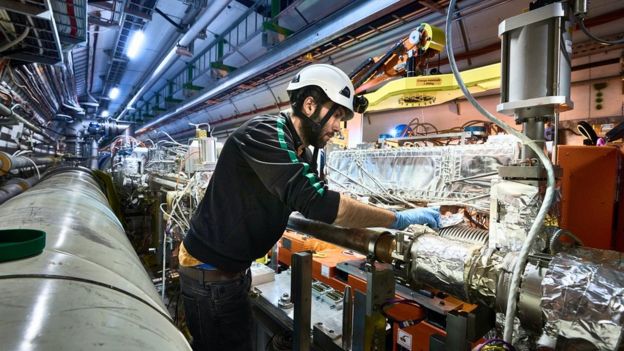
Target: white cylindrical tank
87,290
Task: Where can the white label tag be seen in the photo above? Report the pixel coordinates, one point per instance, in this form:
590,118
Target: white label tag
405,339
325,271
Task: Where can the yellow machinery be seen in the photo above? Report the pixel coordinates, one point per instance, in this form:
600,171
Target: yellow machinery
422,91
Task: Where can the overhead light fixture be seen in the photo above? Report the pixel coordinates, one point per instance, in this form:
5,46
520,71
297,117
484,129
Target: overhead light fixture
113,93
105,113
135,44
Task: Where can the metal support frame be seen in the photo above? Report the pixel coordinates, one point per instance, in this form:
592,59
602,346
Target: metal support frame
347,318
461,135
359,316
24,9
41,18
379,289
369,324
457,325
322,341
301,292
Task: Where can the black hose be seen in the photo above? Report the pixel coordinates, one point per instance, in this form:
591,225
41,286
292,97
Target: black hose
593,37
282,341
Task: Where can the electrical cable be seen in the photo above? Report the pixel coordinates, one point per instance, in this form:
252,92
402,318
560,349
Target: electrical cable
550,189
35,165
555,240
172,139
381,187
17,40
168,215
282,341
164,265
581,22
375,193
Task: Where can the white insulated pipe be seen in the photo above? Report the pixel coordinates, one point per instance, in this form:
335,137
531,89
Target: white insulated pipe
87,289
9,162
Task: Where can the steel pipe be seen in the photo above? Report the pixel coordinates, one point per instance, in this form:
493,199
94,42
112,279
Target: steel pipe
9,162
87,289
7,112
168,183
376,244
15,187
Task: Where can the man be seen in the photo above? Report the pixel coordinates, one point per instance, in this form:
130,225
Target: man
262,175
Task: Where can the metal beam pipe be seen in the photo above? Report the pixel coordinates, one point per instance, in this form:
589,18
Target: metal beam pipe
7,112
11,146
87,289
171,184
377,244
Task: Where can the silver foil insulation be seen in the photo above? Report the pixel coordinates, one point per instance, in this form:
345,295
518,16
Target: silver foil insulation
583,297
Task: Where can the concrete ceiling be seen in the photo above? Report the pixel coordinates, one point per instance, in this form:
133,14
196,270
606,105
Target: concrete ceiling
479,19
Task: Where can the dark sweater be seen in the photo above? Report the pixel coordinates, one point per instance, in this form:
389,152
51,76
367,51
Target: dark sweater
258,181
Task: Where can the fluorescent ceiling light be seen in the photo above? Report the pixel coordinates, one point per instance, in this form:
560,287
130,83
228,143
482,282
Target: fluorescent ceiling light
135,44
105,113
113,93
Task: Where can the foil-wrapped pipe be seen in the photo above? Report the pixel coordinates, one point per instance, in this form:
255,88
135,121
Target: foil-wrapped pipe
461,264
376,244
442,263
583,298
87,289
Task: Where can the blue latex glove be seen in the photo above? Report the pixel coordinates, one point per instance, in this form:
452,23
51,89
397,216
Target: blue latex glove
427,215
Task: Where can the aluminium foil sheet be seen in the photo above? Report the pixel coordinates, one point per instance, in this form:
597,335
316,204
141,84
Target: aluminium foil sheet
583,297
483,275
513,209
429,174
442,263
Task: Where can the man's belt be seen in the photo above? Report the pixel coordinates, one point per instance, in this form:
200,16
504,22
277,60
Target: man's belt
212,275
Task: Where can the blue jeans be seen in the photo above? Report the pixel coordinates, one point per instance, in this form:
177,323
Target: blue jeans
218,314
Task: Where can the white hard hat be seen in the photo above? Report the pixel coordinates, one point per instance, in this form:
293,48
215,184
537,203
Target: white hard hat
334,82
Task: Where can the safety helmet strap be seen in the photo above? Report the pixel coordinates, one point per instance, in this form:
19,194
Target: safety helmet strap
329,114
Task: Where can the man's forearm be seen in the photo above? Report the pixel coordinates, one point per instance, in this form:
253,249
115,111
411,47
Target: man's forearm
354,214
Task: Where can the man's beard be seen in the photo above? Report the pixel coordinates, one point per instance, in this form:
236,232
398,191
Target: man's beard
312,130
